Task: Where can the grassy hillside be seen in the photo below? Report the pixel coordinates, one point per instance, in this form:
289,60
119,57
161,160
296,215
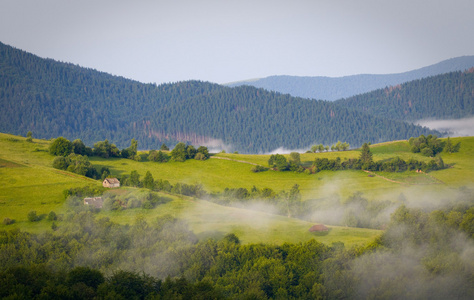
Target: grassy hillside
211,220
216,174
27,182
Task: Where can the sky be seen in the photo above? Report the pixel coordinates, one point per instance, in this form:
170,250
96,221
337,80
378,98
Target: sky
224,41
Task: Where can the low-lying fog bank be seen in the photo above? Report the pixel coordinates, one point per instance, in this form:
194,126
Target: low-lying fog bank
459,127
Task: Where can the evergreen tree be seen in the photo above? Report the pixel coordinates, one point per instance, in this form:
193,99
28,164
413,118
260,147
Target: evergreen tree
133,147
449,146
457,147
148,181
292,198
134,179
366,157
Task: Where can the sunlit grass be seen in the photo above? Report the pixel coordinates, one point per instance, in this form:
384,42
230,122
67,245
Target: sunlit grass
28,182
209,220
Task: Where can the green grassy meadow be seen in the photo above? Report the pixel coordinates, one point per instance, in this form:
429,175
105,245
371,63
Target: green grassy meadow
28,182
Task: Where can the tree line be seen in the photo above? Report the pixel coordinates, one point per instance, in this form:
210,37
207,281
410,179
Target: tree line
74,156
334,147
431,145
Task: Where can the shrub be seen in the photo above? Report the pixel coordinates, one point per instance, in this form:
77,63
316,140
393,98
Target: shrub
32,216
199,156
61,147
8,221
157,156
29,137
52,216
257,169
426,151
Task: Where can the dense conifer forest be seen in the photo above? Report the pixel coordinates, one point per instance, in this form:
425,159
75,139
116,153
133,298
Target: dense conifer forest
54,99
447,96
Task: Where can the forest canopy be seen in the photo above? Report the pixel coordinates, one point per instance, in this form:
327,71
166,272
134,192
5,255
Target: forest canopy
55,99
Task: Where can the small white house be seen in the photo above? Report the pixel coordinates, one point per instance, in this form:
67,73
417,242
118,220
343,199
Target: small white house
111,183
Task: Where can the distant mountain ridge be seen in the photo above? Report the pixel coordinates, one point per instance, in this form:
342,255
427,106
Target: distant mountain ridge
334,88
54,99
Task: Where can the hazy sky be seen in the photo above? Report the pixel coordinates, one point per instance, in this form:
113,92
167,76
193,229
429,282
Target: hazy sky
223,41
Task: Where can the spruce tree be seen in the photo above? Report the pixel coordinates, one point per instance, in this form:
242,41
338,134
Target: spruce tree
148,181
366,156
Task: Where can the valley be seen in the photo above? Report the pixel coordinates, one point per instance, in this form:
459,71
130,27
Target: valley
370,206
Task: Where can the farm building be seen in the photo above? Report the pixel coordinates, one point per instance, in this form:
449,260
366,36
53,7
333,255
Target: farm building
97,202
318,228
111,183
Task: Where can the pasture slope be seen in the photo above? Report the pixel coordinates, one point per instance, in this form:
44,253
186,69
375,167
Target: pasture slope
28,182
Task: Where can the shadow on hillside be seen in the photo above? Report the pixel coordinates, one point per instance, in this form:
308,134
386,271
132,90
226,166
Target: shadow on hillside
321,233
214,234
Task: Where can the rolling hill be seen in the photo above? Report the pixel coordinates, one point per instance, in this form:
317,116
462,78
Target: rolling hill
28,182
334,88
54,99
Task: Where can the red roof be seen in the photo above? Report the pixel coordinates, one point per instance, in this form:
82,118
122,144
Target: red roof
318,227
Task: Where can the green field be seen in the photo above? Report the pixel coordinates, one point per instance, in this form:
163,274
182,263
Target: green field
28,182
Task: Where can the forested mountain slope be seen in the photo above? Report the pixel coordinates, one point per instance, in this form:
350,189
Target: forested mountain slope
445,96
254,120
56,99
333,88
